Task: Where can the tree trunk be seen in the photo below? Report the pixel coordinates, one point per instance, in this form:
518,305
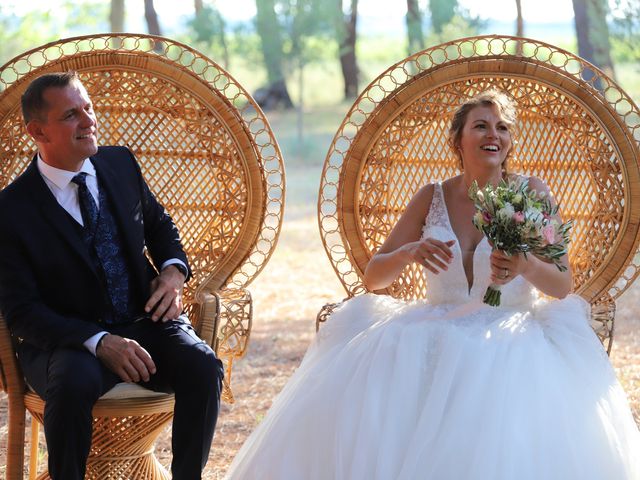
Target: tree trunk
519,26
593,35
300,110
197,6
415,36
442,12
271,42
223,41
116,16
153,25
151,16
347,42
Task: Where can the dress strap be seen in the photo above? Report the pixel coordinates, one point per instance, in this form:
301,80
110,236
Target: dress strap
437,215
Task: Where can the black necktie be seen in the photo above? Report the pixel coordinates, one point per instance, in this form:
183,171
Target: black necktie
88,206
105,241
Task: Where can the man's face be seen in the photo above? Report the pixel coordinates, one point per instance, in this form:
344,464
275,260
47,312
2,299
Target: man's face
67,134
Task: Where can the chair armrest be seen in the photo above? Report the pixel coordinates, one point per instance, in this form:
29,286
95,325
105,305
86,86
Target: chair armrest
225,319
11,378
603,312
327,310
206,318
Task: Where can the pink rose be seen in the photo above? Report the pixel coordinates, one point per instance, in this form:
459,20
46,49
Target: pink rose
518,217
486,216
549,233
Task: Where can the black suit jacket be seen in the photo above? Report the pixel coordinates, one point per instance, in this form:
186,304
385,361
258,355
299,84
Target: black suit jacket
50,292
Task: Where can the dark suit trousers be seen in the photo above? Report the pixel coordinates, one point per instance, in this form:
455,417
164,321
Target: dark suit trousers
71,381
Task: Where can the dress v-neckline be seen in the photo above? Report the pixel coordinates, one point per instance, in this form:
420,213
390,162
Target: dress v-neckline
470,284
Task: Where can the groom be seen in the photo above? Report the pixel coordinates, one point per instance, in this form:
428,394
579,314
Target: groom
85,306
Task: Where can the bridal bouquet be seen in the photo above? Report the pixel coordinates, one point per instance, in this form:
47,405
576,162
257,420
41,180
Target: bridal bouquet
516,220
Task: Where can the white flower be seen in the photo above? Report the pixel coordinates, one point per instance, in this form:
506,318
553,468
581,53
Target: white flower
533,214
517,199
506,212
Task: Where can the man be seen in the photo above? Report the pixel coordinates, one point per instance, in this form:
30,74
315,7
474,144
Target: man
84,304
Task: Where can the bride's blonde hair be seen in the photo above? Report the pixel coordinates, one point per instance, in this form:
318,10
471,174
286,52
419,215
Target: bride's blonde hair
506,108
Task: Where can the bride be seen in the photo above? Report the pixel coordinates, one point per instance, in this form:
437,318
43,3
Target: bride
450,388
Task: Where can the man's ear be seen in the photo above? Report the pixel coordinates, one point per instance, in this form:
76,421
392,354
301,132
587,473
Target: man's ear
34,128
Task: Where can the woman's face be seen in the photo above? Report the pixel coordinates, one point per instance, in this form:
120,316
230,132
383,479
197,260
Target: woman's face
485,140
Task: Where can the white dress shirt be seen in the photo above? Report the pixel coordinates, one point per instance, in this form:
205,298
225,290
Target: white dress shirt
66,193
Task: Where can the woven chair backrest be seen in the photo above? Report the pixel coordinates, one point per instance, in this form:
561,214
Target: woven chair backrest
577,131
204,146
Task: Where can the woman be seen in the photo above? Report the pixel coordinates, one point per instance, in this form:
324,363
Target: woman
451,388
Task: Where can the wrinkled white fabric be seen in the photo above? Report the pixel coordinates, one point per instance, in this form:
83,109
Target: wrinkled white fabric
450,389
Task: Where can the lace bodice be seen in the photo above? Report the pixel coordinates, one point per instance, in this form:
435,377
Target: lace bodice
451,286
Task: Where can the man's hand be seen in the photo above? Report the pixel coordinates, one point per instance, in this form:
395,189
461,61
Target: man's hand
126,358
166,295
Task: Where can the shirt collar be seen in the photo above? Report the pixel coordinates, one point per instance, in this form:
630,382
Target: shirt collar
61,178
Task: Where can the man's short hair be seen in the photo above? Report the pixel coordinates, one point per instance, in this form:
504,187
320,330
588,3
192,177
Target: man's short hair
33,103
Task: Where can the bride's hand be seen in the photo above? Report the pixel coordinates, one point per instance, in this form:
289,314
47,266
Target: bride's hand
434,255
505,268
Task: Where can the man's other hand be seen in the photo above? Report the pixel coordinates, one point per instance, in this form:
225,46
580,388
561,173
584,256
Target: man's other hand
126,358
165,302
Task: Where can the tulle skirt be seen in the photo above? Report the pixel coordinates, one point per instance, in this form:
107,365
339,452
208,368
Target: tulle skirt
395,390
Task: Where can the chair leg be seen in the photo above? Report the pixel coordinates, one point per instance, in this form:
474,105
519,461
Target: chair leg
33,456
15,438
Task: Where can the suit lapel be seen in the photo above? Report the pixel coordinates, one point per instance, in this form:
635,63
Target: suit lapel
54,214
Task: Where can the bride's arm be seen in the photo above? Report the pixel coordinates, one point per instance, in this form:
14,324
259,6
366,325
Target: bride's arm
404,246
541,273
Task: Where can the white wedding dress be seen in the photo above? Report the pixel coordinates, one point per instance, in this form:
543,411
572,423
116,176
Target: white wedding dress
450,389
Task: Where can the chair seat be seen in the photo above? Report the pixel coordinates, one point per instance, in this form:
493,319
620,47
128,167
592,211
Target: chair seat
126,390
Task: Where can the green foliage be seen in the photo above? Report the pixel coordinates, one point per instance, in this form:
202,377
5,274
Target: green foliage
308,25
625,30
450,21
81,17
244,45
461,25
207,24
19,34
208,30
442,12
293,33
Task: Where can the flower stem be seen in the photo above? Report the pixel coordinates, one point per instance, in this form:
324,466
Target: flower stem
492,296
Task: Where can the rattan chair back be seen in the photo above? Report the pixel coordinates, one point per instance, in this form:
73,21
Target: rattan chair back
204,146
577,130
208,154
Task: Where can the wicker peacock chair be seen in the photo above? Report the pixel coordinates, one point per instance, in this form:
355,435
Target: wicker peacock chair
580,136
208,153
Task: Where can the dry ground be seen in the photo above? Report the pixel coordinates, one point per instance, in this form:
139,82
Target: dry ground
296,283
